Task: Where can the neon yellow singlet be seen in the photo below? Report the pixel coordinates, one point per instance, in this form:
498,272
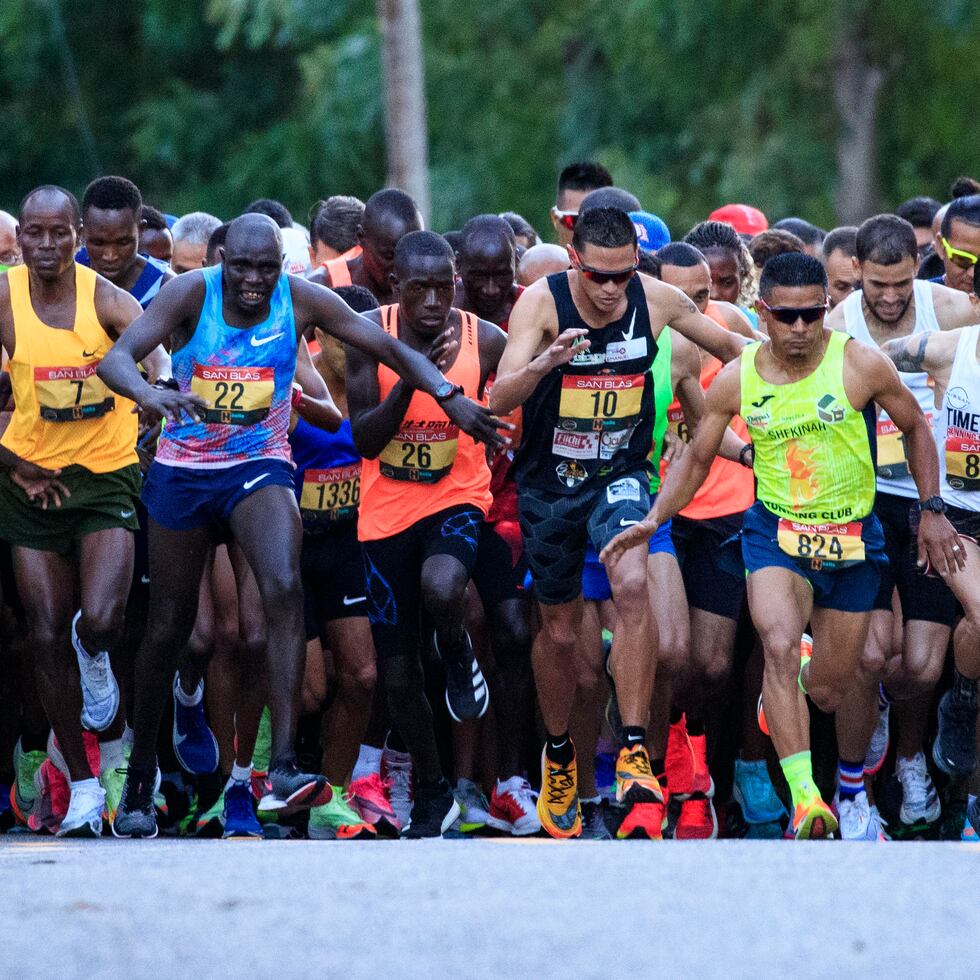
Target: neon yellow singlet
662,396
813,459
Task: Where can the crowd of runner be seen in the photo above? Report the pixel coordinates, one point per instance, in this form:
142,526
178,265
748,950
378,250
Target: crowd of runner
324,530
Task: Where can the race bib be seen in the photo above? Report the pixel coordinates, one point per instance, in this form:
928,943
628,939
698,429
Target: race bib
962,459
235,395
822,546
332,494
422,452
892,461
70,394
596,402
677,425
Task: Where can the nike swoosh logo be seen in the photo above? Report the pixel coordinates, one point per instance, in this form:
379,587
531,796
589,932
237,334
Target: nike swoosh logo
625,523
88,353
126,514
248,484
761,401
628,335
180,739
144,579
348,601
265,340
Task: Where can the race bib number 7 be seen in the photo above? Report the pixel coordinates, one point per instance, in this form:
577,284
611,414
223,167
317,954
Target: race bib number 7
823,546
70,394
235,395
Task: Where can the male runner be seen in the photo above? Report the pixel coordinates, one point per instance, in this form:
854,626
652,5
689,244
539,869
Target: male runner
111,226
892,304
540,261
919,213
227,469
69,491
839,248
389,215
958,243
191,234
578,357
425,493
333,229
952,360
9,249
811,544
574,183
487,261
155,237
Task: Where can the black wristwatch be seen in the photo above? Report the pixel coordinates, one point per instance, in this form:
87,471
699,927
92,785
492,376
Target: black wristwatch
747,448
936,504
168,384
446,390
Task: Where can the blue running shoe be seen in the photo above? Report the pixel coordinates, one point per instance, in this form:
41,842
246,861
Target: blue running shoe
239,812
195,746
754,793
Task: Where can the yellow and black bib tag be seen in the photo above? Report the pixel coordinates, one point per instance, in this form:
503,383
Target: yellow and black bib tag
422,452
235,395
601,401
827,547
962,459
331,495
70,394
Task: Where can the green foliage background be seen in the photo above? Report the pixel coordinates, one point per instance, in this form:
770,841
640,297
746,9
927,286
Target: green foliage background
691,103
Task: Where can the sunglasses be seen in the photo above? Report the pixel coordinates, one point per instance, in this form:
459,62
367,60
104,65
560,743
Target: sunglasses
565,218
965,260
600,277
790,314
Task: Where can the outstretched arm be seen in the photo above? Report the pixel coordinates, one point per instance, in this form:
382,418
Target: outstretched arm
680,313
931,352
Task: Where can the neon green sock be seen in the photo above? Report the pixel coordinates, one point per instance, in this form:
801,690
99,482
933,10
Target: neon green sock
798,771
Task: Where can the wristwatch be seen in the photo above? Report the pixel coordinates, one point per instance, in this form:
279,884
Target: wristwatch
747,448
936,504
446,390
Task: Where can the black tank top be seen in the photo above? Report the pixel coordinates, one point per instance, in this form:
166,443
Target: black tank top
591,420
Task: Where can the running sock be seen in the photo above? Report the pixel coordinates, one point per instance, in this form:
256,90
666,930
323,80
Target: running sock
368,762
850,777
798,771
804,660
111,755
695,726
884,698
964,689
188,700
91,784
559,749
590,799
239,774
633,735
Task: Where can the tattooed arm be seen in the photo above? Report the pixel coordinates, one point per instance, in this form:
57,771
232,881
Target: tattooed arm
929,352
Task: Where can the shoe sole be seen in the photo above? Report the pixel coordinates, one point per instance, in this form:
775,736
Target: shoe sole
946,767
639,832
242,834
363,832
135,836
87,830
638,793
506,827
447,821
305,798
821,826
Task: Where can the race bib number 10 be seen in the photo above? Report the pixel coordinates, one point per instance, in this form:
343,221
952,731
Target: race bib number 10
235,395
822,546
70,394
601,401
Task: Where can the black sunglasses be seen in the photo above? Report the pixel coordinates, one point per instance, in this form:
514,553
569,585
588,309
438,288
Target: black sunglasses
790,314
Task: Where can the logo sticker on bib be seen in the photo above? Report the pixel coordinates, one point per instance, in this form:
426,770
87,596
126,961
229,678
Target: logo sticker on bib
71,394
827,547
235,395
892,463
626,489
571,474
575,445
963,459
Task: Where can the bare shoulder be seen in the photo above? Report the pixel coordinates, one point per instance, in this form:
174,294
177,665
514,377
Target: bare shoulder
835,319
664,301
535,307
953,307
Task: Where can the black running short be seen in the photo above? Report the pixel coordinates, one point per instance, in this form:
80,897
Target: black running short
924,597
500,564
393,573
710,556
333,575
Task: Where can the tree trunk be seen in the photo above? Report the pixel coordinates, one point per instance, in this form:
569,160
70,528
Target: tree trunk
857,86
406,126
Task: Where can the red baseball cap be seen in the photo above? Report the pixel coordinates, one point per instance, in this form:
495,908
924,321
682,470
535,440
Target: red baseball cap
744,219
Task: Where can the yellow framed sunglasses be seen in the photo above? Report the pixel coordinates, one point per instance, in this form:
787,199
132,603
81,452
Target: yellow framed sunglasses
965,260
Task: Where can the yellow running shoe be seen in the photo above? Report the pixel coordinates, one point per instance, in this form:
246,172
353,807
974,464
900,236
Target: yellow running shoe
635,781
558,805
814,820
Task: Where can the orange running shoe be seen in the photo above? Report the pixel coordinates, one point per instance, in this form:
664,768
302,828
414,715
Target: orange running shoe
806,654
697,820
644,821
814,820
679,761
702,783
558,803
635,781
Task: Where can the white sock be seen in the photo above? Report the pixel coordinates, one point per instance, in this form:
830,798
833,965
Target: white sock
111,755
368,762
90,785
239,774
188,700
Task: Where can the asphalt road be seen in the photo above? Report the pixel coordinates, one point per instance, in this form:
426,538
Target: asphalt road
487,909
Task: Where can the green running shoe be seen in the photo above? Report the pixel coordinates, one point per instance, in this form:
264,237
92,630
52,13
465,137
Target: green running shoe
337,820
24,792
211,823
113,781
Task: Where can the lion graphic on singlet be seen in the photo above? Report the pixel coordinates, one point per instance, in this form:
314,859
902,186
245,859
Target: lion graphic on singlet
802,474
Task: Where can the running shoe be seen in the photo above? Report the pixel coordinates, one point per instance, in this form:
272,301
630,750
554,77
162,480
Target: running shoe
434,811
594,821
514,807
644,821
697,819
880,743
605,775
754,793
920,801
136,815
262,754
635,781
211,822
367,797
467,692
397,778
973,819
195,746
113,783
955,749
806,654
84,816
473,809
702,784
238,815
859,820
288,788
100,692
813,820
23,793
52,796
679,761
338,820
558,805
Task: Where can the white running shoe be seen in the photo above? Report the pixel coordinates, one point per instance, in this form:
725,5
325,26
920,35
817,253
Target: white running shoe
920,801
878,747
473,813
100,692
514,807
859,820
84,816
396,774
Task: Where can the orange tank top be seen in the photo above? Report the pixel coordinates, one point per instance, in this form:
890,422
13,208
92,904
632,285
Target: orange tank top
63,412
729,487
430,465
337,270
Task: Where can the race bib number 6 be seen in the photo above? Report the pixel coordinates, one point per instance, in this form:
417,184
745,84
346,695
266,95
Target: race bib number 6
235,395
70,394
827,546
